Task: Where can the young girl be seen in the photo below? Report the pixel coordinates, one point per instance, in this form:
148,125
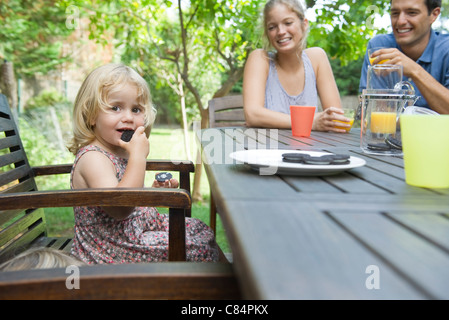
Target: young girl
113,99
290,75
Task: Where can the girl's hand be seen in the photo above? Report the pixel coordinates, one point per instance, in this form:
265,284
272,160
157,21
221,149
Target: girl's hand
323,121
139,145
172,183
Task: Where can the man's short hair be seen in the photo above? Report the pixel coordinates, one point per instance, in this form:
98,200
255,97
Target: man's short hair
431,4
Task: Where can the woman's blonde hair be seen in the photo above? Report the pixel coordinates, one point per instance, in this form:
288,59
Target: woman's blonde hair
92,97
296,7
40,258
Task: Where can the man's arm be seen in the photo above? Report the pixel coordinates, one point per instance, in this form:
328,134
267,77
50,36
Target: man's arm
436,94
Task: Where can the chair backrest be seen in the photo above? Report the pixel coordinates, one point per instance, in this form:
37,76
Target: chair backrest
226,112
18,228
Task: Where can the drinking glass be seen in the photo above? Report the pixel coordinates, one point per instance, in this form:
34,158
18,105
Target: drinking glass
348,112
370,53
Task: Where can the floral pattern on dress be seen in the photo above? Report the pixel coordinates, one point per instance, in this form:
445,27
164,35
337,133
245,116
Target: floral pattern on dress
142,237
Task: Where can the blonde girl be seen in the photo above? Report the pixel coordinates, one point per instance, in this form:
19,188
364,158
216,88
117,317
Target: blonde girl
112,100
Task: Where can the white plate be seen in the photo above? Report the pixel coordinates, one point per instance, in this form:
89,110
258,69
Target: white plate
269,161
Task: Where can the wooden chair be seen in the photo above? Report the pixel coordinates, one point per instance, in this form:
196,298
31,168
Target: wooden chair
224,112
22,219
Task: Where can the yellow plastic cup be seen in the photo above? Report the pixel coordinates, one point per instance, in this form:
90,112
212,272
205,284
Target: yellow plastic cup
425,144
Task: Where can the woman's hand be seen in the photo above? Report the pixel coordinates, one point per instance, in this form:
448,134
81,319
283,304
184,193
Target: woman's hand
324,121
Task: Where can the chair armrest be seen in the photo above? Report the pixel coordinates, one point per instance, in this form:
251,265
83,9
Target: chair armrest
125,197
177,200
153,165
51,169
170,165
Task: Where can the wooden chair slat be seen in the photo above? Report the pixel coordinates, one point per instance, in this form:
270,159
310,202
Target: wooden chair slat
58,243
232,115
8,216
5,123
20,173
21,226
226,111
23,241
24,186
9,142
11,158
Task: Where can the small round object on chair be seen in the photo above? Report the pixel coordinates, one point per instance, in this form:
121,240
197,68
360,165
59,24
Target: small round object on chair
163,176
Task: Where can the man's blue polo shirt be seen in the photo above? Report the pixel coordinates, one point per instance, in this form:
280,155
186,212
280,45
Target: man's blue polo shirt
435,60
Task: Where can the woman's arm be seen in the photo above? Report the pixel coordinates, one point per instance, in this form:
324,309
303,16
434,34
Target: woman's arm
254,82
327,91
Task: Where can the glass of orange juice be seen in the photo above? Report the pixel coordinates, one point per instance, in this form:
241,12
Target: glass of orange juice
349,112
370,53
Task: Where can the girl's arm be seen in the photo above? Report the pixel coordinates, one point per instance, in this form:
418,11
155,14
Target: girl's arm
254,82
95,170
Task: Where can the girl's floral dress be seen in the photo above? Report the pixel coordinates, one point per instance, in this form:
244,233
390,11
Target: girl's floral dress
142,237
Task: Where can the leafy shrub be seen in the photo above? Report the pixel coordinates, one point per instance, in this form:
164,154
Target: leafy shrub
46,98
41,152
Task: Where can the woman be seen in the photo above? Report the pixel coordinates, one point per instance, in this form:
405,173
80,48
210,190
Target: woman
290,75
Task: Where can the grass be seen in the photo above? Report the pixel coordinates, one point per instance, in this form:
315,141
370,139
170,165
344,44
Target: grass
165,143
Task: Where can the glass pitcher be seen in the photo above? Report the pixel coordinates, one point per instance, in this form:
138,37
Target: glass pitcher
383,76
380,129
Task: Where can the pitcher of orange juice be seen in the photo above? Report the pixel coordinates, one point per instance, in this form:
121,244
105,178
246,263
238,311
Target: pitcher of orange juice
380,129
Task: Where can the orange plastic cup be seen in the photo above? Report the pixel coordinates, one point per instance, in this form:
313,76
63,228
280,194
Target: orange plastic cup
302,120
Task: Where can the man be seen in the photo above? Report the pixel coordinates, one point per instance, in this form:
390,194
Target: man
423,53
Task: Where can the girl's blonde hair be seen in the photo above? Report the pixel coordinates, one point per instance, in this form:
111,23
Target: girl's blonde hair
40,258
92,97
296,7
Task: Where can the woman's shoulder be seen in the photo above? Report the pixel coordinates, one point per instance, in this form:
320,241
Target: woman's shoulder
259,55
315,53
317,57
258,63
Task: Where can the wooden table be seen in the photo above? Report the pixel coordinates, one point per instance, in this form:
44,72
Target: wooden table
360,234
